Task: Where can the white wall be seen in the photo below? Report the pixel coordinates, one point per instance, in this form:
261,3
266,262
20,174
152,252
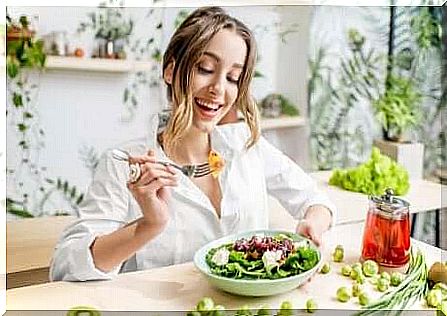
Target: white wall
78,109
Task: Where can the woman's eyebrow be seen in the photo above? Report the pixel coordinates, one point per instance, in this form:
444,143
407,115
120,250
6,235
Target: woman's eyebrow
217,59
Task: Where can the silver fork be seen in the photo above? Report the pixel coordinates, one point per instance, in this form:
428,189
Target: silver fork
195,171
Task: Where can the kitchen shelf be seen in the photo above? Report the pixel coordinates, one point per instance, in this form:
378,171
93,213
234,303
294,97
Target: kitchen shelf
95,64
282,122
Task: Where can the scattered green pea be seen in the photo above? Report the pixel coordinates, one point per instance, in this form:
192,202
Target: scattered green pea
205,304
385,275
434,298
286,309
311,306
396,278
383,284
264,310
326,268
374,279
194,313
343,294
356,265
363,299
219,310
443,287
355,272
243,311
346,270
338,254
370,268
356,289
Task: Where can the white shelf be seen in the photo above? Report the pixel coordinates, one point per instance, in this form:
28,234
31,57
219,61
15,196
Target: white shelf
282,122
95,64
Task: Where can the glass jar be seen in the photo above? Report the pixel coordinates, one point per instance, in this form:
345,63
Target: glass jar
386,237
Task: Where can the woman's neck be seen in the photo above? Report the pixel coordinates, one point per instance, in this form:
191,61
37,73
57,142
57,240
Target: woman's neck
192,149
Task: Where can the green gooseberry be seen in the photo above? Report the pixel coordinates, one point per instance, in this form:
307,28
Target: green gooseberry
355,272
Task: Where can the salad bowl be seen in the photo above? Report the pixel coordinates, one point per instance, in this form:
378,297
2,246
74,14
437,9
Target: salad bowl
253,284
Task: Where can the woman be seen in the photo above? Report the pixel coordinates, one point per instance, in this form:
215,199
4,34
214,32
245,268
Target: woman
164,216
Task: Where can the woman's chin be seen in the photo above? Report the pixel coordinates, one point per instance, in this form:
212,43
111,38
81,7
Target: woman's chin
206,126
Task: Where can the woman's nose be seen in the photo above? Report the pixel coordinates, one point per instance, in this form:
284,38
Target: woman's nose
217,86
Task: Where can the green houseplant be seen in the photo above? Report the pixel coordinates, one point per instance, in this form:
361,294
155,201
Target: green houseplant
397,109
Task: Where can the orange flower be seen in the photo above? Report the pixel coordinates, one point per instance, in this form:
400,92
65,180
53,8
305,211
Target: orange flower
216,163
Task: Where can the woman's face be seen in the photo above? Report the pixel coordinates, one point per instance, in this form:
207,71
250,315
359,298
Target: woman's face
216,77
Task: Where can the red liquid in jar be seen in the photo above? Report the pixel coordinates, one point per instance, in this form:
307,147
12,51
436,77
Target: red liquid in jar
386,240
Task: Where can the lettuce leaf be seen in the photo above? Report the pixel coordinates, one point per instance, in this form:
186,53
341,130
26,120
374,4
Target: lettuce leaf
374,176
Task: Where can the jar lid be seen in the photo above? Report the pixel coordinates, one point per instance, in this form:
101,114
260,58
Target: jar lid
388,202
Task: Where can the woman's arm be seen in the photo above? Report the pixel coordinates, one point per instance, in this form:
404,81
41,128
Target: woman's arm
296,191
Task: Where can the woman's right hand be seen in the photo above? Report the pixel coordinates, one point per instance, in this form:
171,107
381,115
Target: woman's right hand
151,190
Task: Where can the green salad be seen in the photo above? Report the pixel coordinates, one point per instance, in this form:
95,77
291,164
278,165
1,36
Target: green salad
262,257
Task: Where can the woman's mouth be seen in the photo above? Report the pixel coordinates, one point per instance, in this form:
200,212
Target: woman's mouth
208,109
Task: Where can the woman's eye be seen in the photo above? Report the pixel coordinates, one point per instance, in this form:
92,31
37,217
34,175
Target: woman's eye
233,80
205,70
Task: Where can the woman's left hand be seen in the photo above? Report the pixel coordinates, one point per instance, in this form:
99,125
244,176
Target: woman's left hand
310,230
316,221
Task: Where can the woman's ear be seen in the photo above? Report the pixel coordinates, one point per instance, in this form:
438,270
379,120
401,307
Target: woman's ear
169,72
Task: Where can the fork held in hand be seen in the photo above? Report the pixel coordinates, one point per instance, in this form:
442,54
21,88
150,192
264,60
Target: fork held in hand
195,171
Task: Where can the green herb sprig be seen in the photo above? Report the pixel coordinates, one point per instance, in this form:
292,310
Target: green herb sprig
412,289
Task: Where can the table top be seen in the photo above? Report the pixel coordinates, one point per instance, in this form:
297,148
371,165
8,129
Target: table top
180,287
352,207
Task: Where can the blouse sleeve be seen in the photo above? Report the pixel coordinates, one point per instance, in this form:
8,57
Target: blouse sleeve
290,185
103,210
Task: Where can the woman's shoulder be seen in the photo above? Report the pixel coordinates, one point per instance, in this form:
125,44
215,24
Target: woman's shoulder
233,135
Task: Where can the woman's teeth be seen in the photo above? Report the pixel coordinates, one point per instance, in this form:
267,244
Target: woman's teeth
208,105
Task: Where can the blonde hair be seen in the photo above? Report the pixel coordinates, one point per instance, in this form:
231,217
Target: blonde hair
185,48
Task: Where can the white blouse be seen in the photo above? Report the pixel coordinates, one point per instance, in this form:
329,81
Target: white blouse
246,180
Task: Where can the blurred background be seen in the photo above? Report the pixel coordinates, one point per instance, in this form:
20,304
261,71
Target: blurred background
330,82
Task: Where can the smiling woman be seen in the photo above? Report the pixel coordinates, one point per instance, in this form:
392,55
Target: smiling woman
208,67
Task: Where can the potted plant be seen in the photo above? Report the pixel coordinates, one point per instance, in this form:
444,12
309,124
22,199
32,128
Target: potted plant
398,110
110,28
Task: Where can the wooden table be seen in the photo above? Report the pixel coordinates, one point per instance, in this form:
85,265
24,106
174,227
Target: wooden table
352,206
180,287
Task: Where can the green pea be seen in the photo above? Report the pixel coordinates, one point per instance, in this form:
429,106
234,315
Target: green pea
385,275
243,311
264,310
326,268
286,309
383,284
355,272
83,310
338,254
311,306
434,298
346,270
370,268
219,310
205,304
343,294
363,299
356,289
396,278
